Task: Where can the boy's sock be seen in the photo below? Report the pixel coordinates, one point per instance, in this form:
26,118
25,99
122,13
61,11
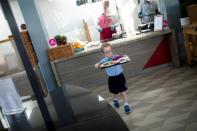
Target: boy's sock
115,99
126,103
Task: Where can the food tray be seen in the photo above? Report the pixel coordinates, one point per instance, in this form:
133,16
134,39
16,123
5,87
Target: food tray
122,60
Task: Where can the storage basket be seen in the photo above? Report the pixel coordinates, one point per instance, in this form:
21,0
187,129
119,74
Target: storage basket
60,52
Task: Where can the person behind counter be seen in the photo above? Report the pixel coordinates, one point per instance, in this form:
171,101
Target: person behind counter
106,24
116,81
147,10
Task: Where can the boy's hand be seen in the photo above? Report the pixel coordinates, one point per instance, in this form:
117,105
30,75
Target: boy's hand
97,65
115,62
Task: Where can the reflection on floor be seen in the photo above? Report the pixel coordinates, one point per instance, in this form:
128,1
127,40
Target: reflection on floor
165,100
79,110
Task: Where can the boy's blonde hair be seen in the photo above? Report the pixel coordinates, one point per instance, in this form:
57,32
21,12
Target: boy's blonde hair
104,45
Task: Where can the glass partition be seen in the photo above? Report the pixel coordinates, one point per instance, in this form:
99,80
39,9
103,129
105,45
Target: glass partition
26,104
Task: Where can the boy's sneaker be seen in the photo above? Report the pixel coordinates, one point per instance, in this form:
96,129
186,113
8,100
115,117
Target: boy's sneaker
127,109
116,104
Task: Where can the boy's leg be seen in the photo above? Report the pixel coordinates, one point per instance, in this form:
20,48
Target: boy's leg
124,97
127,108
116,101
116,96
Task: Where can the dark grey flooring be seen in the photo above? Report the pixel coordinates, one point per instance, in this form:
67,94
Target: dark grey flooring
164,100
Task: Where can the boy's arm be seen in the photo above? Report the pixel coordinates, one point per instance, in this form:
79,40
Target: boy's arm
100,62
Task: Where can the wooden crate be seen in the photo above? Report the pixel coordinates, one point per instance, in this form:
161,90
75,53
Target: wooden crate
60,52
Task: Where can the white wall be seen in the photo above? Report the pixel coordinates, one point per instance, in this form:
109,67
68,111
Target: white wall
64,17
4,29
17,12
7,48
129,14
4,33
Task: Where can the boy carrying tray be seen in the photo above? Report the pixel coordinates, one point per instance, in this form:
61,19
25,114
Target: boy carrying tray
116,81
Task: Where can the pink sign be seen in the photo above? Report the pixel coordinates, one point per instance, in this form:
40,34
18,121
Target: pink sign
52,42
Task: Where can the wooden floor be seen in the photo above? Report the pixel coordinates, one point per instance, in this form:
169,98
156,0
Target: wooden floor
164,100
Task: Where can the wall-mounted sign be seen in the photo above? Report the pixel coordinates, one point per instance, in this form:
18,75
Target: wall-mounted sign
82,2
52,42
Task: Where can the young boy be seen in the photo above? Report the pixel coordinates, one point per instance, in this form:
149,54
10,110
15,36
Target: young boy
116,81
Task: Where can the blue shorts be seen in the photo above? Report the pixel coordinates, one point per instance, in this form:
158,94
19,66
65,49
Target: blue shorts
117,84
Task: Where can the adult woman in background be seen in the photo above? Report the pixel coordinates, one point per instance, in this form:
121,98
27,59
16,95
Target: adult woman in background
106,23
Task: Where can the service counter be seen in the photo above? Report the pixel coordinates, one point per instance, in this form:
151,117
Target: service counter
147,51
